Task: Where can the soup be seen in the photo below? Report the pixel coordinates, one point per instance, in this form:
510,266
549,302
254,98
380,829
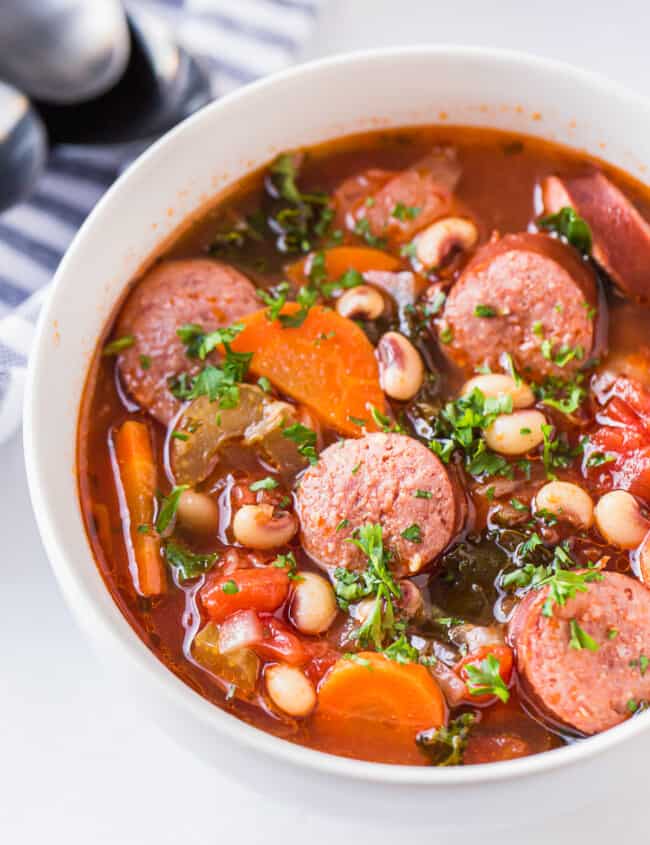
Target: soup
364,456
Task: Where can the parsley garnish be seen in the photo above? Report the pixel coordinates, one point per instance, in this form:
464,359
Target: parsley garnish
405,212
145,362
460,426
305,439
188,564
597,459
423,494
485,311
579,639
486,679
118,345
413,533
375,580
572,227
362,228
168,507
289,563
267,483
445,746
301,216
401,651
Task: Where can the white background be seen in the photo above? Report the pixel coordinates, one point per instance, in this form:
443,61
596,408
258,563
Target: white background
75,765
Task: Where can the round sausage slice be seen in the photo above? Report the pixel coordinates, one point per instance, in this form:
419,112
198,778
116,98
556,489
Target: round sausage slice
529,295
621,236
171,294
397,205
587,690
387,479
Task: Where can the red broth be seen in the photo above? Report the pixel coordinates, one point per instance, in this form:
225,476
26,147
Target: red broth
464,597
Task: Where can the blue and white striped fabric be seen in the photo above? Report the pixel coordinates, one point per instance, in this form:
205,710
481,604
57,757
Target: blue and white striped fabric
237,41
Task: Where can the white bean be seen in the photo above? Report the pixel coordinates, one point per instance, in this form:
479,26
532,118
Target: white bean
290,690
360,303
516,434
401,371
434,245
619,519
568,502
198,512
313,606
255,526
493,385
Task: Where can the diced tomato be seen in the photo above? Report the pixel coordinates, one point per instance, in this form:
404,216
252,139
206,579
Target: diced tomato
627,440
263,590
502,653
279,643
322,659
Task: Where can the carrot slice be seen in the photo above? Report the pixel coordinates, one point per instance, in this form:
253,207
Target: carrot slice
327,363
339,259
137,477
372,707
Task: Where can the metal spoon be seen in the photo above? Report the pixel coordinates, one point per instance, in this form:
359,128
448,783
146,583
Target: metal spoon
23,146
63,51
161,85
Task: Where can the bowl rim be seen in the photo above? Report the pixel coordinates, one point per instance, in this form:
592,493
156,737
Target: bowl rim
97,623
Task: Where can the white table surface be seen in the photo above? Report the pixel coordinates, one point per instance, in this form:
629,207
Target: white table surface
75,765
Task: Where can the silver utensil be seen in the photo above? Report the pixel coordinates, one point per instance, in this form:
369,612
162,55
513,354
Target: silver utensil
63,51
23,146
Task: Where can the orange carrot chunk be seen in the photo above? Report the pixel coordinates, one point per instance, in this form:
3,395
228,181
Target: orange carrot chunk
372,707
327,363
137,477
340,259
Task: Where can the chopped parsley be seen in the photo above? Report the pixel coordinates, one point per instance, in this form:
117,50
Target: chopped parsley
405,212
264,384
423,494
413,533
445,746
558,452
559,574
446,335
301,217
217,383
570,226
362,229
188,564
230,588
375,580
485,679
289,563
597,459
460,425
401,651
579,638
267,483
342,524
485,311
145,362
437,301
642,663
168,508
118,345
275,298
562,356
305,439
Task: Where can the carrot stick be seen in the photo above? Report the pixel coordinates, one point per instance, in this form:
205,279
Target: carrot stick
373,707
327,363
137,477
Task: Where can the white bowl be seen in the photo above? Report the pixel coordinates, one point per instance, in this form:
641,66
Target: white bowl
195,161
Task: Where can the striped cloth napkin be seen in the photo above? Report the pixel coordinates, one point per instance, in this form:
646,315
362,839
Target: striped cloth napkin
236,41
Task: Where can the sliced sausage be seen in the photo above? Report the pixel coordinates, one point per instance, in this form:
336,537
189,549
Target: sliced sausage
538,292
589,691
375,479
171,294
621,236
423,191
